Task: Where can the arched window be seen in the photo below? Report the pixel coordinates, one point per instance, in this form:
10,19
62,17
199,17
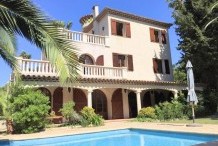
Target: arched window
86,59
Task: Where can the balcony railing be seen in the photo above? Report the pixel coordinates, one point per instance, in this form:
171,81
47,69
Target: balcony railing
87,38
36,67
44,68
94,71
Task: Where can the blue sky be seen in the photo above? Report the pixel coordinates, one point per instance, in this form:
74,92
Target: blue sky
73,10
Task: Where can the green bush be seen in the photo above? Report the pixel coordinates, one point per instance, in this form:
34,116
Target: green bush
170,110
69,114
30,109
90,117
148,112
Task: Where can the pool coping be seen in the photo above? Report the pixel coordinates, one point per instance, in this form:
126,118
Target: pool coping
115,125
210,143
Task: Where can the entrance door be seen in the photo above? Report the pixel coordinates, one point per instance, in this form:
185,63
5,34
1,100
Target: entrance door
117,104
58,100
132,105
146,99
79,99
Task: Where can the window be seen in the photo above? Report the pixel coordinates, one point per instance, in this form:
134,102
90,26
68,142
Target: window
167,67
163,36
121,60
157,65
155,33
120,28
86,59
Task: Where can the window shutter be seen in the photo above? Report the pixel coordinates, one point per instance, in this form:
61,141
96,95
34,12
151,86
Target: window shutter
113,27
128,31
130,63
152,36
155,65
167,67
163,36
100,60
115,60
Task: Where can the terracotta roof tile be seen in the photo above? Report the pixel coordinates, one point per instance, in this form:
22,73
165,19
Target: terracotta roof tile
101,81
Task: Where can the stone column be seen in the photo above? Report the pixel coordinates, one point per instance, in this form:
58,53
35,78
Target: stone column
138,99
125,104
89,97
175,94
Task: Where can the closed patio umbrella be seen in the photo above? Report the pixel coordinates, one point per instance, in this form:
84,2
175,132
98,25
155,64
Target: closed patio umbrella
192,97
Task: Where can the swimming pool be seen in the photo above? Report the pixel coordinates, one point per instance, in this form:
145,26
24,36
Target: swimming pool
125,137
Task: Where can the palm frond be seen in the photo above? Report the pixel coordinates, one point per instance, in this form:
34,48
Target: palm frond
69,25
25,19
7,47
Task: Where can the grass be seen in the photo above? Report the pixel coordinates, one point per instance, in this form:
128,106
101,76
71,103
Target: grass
206,120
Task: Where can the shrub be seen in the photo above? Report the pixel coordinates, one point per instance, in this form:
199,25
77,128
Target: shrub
69,114
90,117
30,109
170,110
148,112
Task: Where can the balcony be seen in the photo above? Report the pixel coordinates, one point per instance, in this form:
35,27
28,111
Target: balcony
44,68
87,38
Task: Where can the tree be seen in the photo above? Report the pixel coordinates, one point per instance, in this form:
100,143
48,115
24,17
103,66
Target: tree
61,24
179,75
22,17
196,44
25,55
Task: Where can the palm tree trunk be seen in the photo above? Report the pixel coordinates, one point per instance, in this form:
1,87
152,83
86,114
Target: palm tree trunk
9,125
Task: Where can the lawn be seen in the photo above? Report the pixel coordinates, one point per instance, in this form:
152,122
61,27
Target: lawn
206,120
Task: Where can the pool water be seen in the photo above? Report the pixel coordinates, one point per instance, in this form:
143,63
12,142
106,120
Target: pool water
126,137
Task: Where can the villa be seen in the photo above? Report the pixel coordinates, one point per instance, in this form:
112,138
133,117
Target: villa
125,64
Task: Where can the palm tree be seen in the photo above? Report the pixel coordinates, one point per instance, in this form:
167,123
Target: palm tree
63,25
22,17
25,55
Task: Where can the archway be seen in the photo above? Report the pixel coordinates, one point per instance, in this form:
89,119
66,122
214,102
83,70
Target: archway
58,100
146,101
160,95
86,59
117,104
99,103
132,105
79,99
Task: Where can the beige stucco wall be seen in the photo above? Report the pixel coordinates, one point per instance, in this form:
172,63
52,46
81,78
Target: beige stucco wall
139,45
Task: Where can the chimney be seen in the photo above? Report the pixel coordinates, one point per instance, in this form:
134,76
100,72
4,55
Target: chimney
95,11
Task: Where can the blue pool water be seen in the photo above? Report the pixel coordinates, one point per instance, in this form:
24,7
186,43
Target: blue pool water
126,137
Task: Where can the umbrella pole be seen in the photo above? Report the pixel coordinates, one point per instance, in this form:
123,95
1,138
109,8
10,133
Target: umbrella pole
193,113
